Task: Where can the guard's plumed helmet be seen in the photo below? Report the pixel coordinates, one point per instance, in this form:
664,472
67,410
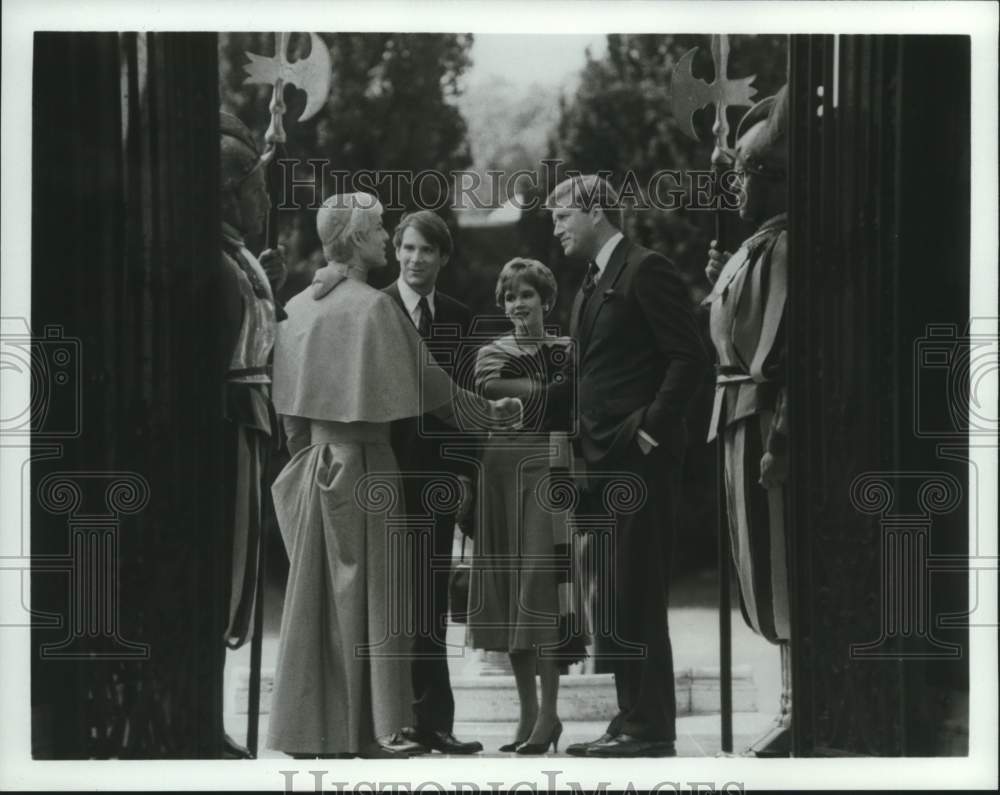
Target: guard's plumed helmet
239,151
762,136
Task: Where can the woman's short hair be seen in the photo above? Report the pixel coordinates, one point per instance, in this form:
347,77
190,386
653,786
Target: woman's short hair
530,271
430,225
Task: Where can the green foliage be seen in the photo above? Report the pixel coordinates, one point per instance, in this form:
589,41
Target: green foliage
392,105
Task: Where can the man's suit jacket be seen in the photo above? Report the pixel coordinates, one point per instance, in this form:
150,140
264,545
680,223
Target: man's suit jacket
641,358
418,451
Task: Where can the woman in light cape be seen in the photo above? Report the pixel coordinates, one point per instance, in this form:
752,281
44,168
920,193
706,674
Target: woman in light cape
345,366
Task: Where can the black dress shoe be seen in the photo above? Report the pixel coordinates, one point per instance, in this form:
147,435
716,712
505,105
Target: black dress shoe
393,746
440,740
376,750
580,749
625,745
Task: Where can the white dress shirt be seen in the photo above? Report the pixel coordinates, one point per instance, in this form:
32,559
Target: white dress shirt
601,260
411,299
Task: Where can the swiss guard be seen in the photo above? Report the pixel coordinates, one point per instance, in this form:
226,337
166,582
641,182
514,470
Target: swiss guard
748,327
249,316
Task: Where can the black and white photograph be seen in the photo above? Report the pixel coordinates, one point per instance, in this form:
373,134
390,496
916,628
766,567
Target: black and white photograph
447,396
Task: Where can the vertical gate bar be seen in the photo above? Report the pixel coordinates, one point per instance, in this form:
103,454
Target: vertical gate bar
725,613
256,644
724,565
805,73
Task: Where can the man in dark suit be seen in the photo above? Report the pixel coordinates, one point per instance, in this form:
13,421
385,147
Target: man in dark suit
640,361
423,245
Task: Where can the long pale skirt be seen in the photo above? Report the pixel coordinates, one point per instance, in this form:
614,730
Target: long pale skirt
524,594
343,672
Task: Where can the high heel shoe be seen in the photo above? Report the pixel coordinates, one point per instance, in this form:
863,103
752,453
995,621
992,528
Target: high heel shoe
512,746
541,748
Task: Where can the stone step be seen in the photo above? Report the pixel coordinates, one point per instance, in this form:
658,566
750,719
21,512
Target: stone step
582,697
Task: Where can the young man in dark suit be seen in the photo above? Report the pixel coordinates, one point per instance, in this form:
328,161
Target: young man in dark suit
423,246
640,361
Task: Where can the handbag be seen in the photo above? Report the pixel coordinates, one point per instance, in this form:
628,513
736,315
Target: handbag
458,589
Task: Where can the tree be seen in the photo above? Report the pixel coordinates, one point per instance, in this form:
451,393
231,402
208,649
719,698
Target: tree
621,120
392,106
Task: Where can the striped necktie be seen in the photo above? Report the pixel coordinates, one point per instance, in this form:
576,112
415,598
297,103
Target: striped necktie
589,283
424,324
590,280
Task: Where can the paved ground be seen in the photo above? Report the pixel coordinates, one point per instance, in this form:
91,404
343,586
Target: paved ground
697,735
693,629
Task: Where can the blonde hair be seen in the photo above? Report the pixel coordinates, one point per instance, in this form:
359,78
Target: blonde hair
339,217
585,191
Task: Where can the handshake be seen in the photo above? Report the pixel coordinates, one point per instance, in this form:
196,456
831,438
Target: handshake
506,414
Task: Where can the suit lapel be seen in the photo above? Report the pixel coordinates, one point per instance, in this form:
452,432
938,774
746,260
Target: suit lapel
574,316
393,291
619,258
442,314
